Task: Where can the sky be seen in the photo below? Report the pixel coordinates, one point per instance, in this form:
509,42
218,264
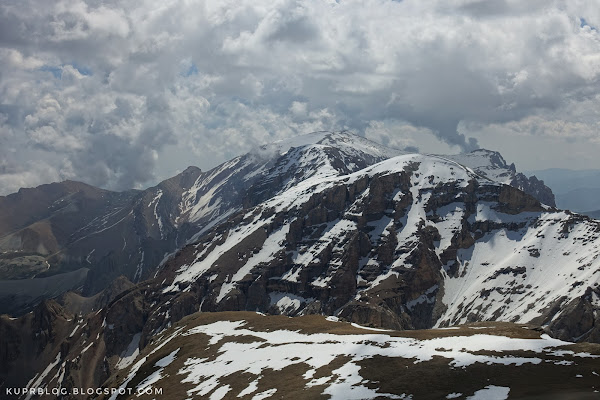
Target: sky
123,93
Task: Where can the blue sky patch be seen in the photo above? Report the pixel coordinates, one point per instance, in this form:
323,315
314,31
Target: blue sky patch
83,70
192,70
583,23
55,71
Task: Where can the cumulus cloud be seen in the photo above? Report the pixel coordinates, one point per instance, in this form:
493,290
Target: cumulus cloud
101,91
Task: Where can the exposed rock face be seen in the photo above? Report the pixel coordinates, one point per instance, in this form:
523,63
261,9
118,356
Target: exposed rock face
393,248
30,343
581,320
534,187
491,164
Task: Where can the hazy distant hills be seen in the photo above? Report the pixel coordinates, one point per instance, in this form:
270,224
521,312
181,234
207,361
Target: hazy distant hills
584,200
575,190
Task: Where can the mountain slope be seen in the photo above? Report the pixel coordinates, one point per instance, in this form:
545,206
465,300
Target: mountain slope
410,242
249,355
37,223
69,226
80,228
491,165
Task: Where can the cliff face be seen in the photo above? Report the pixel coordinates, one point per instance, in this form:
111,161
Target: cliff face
30,343
491,165
411,242
534,187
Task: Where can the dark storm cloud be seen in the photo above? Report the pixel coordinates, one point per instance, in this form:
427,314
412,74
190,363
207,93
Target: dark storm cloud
102,91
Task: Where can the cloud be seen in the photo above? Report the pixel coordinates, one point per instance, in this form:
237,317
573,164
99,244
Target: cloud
101,91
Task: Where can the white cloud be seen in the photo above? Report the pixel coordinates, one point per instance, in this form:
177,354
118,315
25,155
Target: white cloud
97,90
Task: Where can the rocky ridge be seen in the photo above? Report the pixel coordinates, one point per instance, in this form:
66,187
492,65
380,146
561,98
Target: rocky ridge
63,227
491,165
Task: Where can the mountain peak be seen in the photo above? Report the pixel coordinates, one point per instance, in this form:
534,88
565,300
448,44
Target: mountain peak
490,164
482,158
192,168
342,139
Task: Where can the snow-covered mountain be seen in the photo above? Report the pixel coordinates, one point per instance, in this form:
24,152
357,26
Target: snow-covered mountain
72,230
330,224
411,242
257,175
491,165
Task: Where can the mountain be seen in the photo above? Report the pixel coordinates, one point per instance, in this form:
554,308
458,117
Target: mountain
37,223
61,228
252,356
411,242
88,236
76,236
327,224
248,355
491,164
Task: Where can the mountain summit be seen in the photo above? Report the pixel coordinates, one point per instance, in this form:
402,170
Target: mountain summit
413,241
491,164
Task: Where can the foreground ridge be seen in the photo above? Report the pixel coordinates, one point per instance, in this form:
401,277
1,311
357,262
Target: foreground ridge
247,355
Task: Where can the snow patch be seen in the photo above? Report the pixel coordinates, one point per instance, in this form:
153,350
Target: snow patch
287,303
491,392
130,353
272,245
157,375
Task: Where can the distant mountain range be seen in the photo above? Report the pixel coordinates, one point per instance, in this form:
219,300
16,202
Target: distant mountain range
575,190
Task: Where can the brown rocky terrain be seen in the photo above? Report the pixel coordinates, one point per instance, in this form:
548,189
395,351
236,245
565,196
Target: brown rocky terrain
314,357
